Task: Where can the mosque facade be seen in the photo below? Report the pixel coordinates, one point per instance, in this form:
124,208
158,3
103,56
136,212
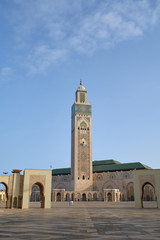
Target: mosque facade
87,180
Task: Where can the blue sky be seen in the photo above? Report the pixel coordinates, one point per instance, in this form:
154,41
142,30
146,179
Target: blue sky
46,47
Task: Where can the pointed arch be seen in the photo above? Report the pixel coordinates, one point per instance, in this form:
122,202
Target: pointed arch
146,187
42,195
109,185
83,123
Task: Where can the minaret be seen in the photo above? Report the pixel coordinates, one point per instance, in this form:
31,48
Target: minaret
81,142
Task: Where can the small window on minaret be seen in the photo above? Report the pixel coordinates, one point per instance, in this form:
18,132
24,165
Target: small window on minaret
83,178
82,97
78,178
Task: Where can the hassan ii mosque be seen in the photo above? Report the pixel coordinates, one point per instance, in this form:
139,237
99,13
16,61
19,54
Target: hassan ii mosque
86,180
106,180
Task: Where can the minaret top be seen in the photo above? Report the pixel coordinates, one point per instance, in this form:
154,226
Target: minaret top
81,87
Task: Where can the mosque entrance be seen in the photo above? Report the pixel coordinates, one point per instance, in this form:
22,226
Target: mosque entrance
17,190
58,197
148,198
37,196
109,195
147,188
67,197
83,197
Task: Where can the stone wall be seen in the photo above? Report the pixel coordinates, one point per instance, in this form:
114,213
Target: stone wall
61,182
122,180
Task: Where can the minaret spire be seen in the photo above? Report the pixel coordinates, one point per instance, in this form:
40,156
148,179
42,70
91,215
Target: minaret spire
80,81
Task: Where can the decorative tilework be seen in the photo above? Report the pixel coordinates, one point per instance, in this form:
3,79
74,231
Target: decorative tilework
83,123
81,108
81,90
88,119
78,118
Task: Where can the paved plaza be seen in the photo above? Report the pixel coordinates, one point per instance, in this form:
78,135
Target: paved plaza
83,220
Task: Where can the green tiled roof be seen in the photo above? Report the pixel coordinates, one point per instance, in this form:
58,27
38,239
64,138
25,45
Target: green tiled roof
104,166
120,167
61,171
105,162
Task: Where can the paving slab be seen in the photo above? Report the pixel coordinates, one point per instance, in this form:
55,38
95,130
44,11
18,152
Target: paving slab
83,220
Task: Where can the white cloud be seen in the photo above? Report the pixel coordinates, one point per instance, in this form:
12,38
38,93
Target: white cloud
49,31
5,73
42,57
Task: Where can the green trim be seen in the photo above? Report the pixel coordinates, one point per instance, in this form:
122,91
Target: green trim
88,119
61,171
81,108
83,123
119,167
105,162
78,118
146,166
82,91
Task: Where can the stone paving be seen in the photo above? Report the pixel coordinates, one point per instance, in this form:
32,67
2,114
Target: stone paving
83,220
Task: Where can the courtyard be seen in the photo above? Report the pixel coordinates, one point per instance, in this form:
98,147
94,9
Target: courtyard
83,220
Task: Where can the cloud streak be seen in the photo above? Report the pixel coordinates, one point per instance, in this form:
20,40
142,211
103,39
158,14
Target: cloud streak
50,31
5,73
42,57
